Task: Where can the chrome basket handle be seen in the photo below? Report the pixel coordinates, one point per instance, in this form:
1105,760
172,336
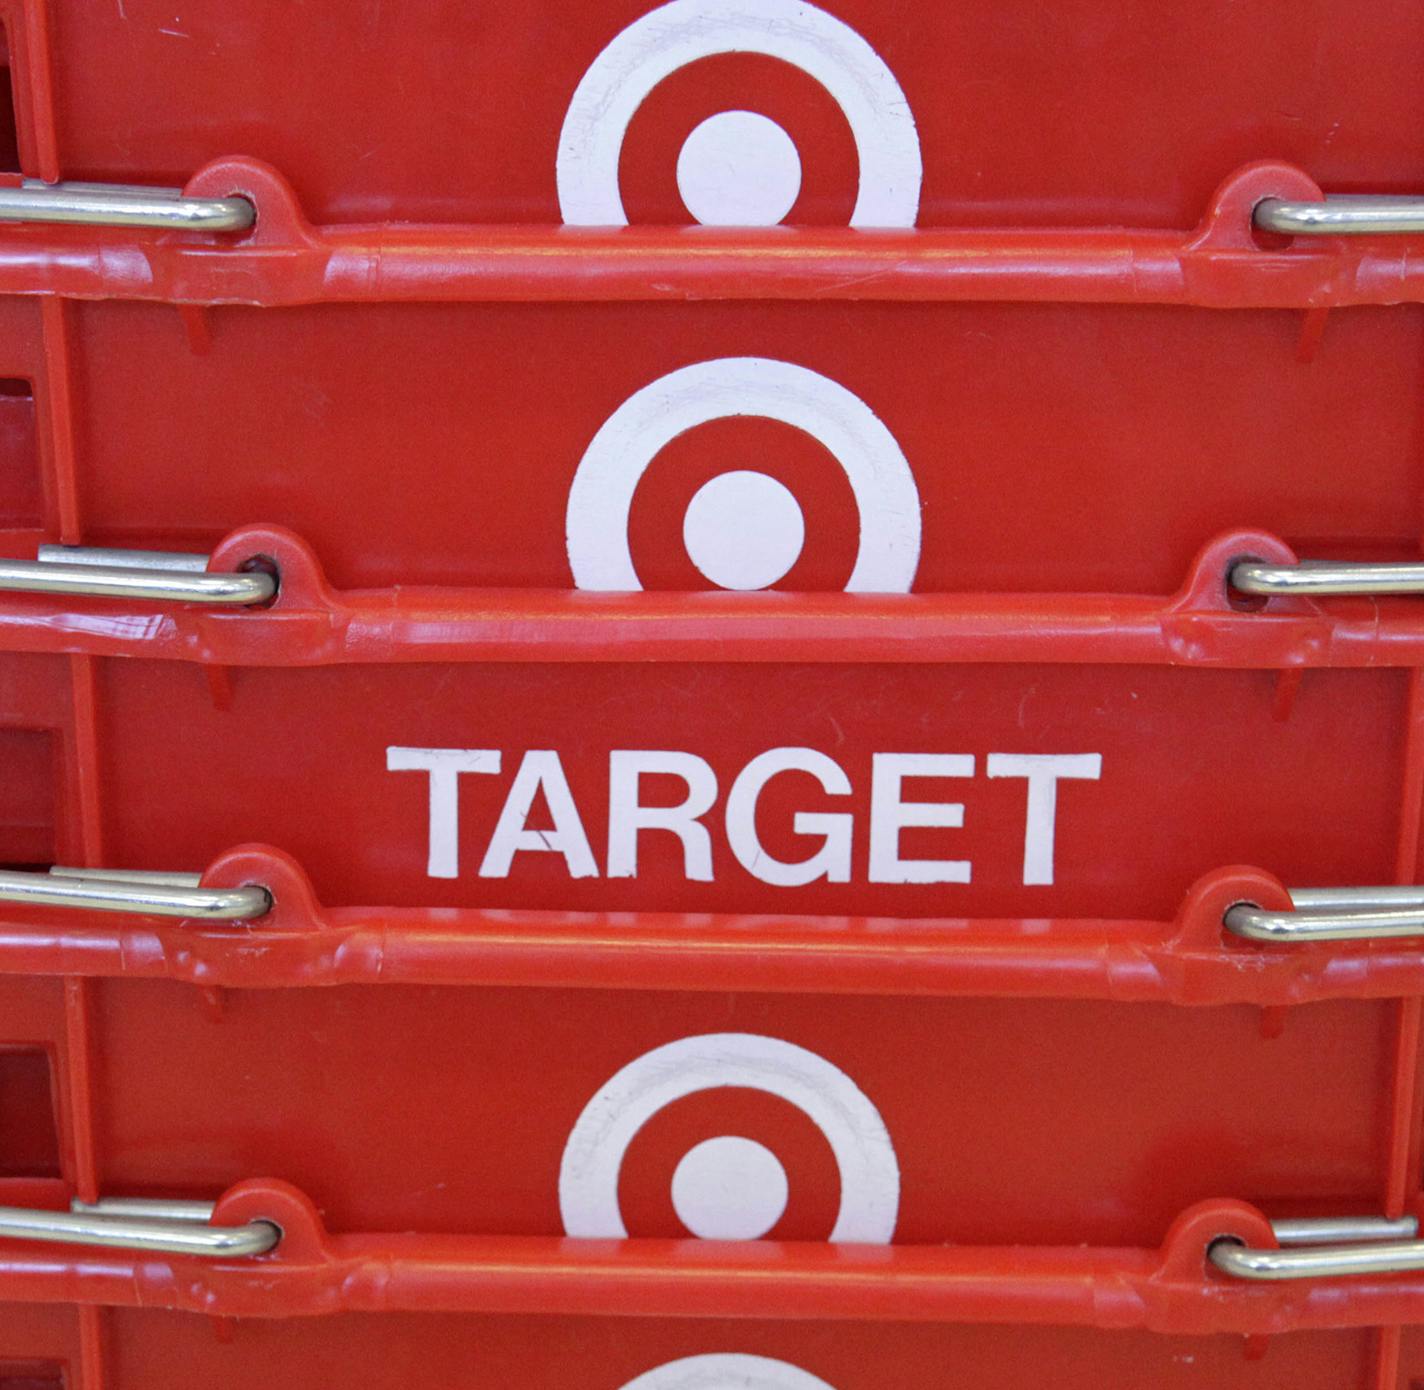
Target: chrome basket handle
1334,914
136,891
1353,214
1372,1246
1317,914
185,578
123,205
1325,577
140,574
183,1228
136,1223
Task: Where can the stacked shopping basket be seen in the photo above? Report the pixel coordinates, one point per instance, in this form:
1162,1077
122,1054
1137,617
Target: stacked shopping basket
664,807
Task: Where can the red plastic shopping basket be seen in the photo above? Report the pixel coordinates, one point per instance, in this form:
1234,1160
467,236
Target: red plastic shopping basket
888,934
44,1348
884,447
841,111
654,1037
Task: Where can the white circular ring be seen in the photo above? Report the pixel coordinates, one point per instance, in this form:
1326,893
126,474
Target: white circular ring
850,1124
730,1371
676,34
601,494
738,169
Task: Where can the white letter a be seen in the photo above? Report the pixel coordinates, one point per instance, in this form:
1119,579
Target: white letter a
541,769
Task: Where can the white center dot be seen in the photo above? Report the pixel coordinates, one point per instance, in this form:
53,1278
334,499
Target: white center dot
738,169
743,530
729,1189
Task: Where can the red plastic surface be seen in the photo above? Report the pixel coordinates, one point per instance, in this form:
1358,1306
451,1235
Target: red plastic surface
1125,440
1069,367
313,1274
445,1110
1218,261
384,1106
921,806
1050,448
311,624
408,1145
1023,113
161,1349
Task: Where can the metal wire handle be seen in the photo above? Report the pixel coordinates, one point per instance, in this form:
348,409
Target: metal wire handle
1317,914
1334,914
185,578
123,205
134,205
1328,577
142,574
136,891
137,1223
1355,214
183,1228
1373,1246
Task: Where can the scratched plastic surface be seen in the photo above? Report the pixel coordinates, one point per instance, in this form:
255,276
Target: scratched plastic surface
380,1102
39,1345
409,444
1157,776
1017,112
547,1112
1013,1096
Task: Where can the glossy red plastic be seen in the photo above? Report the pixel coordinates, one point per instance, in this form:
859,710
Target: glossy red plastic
1217,259
947,793
1035,448
1204,623
1190,960
94,1349
1070,420
311,1273
470,1121
1015,999
390,424
1018,113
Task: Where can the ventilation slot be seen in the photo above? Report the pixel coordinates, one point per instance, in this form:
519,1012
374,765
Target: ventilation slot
29,1137
31,1375
27,836
9,130
21,501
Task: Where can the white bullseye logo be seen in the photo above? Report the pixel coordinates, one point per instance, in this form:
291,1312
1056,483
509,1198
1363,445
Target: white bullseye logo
729,1187
727,1372
739,168
743,529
